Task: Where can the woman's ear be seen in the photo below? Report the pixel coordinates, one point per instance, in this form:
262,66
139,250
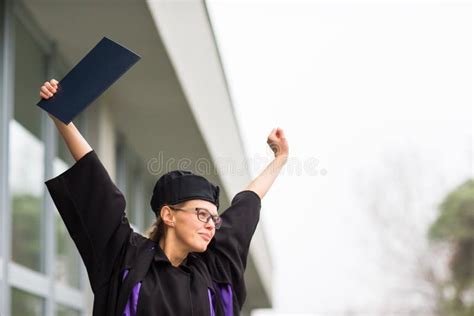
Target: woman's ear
167,215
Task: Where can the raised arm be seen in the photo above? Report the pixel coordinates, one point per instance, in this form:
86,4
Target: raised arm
279,145
76,143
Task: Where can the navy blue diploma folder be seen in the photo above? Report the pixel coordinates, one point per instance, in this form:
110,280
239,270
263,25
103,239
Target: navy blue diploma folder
97,71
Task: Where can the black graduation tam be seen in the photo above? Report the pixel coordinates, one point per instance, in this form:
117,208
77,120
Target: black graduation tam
178,186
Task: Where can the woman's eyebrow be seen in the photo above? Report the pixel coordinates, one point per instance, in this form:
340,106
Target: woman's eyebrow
217,214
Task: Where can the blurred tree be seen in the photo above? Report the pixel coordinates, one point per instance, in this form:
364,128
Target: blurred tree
399,197
455,226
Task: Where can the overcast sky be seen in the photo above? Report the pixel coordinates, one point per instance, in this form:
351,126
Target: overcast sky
365,93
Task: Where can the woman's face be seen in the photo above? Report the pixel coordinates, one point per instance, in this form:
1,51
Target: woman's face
189,230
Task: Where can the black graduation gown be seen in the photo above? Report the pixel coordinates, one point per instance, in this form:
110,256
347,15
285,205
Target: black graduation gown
130,274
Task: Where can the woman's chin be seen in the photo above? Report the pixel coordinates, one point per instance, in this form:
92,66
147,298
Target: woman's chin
201,248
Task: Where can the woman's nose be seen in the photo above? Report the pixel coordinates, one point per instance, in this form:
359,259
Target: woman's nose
210,224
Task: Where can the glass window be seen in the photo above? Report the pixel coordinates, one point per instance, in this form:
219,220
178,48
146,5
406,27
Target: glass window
66,311
2,21
68,269
26,153
24,303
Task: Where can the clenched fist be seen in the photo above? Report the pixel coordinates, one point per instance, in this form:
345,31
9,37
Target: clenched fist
48,89
278,143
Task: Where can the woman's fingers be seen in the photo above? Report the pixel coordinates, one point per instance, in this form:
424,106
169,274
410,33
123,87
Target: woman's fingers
46,91
276,133
50,87
277,142
280,133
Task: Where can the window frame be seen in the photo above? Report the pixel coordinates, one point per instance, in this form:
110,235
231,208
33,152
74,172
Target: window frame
41,284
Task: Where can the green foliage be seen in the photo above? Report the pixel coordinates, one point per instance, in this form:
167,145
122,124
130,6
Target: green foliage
456,221
455,225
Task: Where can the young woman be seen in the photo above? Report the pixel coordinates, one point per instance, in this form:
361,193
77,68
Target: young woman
193,260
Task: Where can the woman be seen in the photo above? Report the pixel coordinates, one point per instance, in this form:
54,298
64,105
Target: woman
192,262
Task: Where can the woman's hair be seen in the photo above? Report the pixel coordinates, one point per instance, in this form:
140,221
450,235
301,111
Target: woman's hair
157,230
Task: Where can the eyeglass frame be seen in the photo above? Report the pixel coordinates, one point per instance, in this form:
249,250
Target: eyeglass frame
197,209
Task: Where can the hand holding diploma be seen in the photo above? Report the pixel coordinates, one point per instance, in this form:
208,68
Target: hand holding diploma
96,72
77,144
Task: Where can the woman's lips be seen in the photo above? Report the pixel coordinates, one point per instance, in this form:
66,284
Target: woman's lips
205,237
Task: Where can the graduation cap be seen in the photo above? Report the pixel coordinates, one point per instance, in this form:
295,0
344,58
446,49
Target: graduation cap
97,71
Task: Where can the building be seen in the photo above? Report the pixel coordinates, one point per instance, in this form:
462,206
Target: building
171,110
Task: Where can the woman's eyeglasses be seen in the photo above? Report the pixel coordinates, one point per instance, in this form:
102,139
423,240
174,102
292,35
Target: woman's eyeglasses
202,214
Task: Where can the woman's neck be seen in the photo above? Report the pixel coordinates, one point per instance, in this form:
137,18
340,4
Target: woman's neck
175,254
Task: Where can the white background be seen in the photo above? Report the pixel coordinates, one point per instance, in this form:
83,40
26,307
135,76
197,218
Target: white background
371,90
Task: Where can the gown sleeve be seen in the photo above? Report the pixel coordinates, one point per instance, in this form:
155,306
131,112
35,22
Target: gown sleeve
226,256
93,210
